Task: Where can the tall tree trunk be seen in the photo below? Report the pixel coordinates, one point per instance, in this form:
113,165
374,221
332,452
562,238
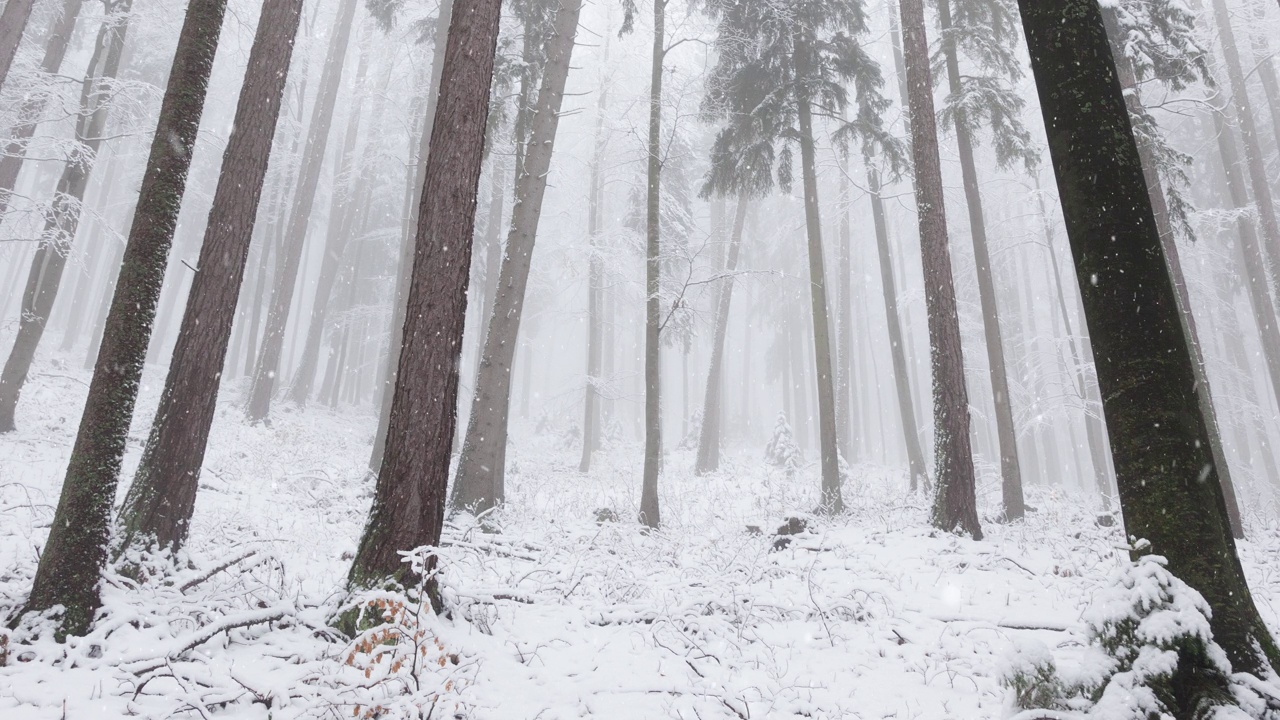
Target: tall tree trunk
480,483
828,445
1169,489
1007,434
338,234
897,350
1095,433
846,407
1264,60
268,367
595,285
159,504
94,246
649,511
955,505
712,410
1253,157
63,216
54,52
68,574
13,22
404,270
409,496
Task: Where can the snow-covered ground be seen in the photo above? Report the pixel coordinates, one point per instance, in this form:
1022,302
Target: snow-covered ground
869,615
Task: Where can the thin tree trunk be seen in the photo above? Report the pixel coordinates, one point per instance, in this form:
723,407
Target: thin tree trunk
1263,57
1169,490
54,52
897,350
404,271
595,289
159,504
409,497
709,438
104,300
92,249
63,217
480,483
1249,136
68,573
13,22
1006,432
846,406
268,367
649,510
955,506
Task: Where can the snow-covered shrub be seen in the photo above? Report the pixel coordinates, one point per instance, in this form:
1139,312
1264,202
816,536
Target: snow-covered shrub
782,450
1148,632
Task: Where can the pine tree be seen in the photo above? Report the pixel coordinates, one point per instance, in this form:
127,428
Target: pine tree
778,63
482,467
76,549
410,493
159,504
1169,489
62,219
955,502
985,32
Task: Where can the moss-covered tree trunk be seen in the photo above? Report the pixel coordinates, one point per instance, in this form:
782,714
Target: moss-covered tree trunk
955,502
409,496
76,549
1169,489
160,502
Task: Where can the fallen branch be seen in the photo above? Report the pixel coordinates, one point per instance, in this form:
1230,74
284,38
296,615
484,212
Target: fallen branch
142,666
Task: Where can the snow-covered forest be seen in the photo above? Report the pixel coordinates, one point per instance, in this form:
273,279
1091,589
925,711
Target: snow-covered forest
552,359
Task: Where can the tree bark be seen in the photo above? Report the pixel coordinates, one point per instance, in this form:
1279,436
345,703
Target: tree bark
63,217
955,503
73,557
160,502
1169,489
1006,432
13,22
828,444
54,52
480,482
897,350
409,496
649,510
709,437
268,367
404,271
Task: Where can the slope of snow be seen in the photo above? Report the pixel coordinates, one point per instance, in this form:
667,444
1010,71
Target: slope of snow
869,615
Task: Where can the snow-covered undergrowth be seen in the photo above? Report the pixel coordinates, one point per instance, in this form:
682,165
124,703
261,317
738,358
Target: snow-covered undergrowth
556,615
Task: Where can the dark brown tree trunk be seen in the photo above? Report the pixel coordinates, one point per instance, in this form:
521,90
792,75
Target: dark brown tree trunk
1169,489
595,287
709,437
409,497
897,350
13,22
159,504
268,367
480,483
55,50
404,270
955,506
63,217
73,557
649,510
1006,433
828,444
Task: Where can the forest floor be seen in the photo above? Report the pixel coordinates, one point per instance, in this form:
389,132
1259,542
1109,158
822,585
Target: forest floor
868,615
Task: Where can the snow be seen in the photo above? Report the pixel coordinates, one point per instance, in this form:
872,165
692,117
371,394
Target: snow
869,615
